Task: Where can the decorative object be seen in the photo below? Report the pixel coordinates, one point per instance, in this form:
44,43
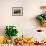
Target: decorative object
17,11
10,31
42,17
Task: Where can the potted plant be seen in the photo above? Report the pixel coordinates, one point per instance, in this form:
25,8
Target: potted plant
42,17
10,31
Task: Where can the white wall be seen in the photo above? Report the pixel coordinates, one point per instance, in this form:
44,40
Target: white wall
25,24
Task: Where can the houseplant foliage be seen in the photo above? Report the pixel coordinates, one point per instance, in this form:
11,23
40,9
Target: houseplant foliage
42,19
10,31
42,16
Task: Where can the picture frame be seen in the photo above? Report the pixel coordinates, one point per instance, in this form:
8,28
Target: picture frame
17,11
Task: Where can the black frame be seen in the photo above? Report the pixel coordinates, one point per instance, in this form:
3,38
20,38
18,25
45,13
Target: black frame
16,8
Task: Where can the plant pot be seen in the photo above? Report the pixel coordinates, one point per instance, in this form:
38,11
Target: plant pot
43,23
13,38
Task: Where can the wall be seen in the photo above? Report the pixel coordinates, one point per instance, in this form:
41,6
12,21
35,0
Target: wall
25,24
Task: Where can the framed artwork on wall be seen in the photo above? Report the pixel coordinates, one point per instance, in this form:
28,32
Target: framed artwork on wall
17,11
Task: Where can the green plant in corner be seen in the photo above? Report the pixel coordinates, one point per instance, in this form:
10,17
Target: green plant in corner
11,31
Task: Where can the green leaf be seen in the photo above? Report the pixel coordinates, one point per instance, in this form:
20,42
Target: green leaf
40,18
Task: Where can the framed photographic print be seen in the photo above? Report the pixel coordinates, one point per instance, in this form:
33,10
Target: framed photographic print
17,11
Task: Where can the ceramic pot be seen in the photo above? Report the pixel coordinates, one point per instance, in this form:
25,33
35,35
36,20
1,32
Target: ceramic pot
13,38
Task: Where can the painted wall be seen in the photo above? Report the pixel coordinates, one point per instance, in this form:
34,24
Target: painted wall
25,24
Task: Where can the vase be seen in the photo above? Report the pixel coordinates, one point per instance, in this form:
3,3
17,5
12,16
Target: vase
13,38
